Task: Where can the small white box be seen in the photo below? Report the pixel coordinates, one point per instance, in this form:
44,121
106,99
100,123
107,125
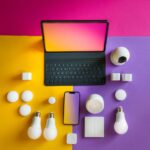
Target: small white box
115,76
94,127
127,77
71,138
26,76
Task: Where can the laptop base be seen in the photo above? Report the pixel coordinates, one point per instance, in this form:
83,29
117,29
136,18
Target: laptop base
74,68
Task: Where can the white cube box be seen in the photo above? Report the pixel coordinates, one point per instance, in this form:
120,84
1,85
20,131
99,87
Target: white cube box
71,138
127,77
94,127
115,77
26,76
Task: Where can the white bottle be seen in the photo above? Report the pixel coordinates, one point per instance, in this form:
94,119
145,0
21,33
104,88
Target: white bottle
35,131
50,131
120,126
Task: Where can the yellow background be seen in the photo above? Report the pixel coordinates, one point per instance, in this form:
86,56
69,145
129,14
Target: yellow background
19,54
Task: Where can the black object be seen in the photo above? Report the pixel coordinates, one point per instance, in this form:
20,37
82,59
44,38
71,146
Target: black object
122,59
74,68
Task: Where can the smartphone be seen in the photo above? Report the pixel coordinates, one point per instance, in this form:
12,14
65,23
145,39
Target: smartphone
71,108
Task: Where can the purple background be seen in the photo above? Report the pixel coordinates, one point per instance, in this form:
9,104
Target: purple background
136,106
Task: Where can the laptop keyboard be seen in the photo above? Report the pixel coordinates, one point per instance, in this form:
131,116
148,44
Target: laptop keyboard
74,73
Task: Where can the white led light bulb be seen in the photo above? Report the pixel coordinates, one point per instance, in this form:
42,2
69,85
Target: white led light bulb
35,131
120,126
50,131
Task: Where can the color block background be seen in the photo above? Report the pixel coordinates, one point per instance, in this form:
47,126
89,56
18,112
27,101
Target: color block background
22,53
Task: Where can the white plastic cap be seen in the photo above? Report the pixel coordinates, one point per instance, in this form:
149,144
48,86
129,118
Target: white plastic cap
12,96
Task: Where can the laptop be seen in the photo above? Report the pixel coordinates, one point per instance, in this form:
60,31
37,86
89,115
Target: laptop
74,52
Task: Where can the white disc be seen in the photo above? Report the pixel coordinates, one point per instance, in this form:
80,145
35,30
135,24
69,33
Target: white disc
51,100
27,96
12,96
25,110
120,95
95,104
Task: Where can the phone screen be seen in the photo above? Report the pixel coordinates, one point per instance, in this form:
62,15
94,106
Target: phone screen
71,107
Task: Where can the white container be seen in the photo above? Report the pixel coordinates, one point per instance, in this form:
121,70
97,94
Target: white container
95,104
120,56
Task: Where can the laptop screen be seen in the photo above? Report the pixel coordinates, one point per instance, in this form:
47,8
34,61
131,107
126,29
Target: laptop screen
74,36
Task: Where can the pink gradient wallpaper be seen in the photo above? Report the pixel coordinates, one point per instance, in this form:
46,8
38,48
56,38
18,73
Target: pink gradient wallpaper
74,36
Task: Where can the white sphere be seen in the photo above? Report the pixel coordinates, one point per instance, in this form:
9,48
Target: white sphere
25,110
27,96
51,100
120,56
95,104
12,96
120,95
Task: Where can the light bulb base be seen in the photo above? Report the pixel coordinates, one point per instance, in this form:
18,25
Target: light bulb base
37,114
51,115
120,109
